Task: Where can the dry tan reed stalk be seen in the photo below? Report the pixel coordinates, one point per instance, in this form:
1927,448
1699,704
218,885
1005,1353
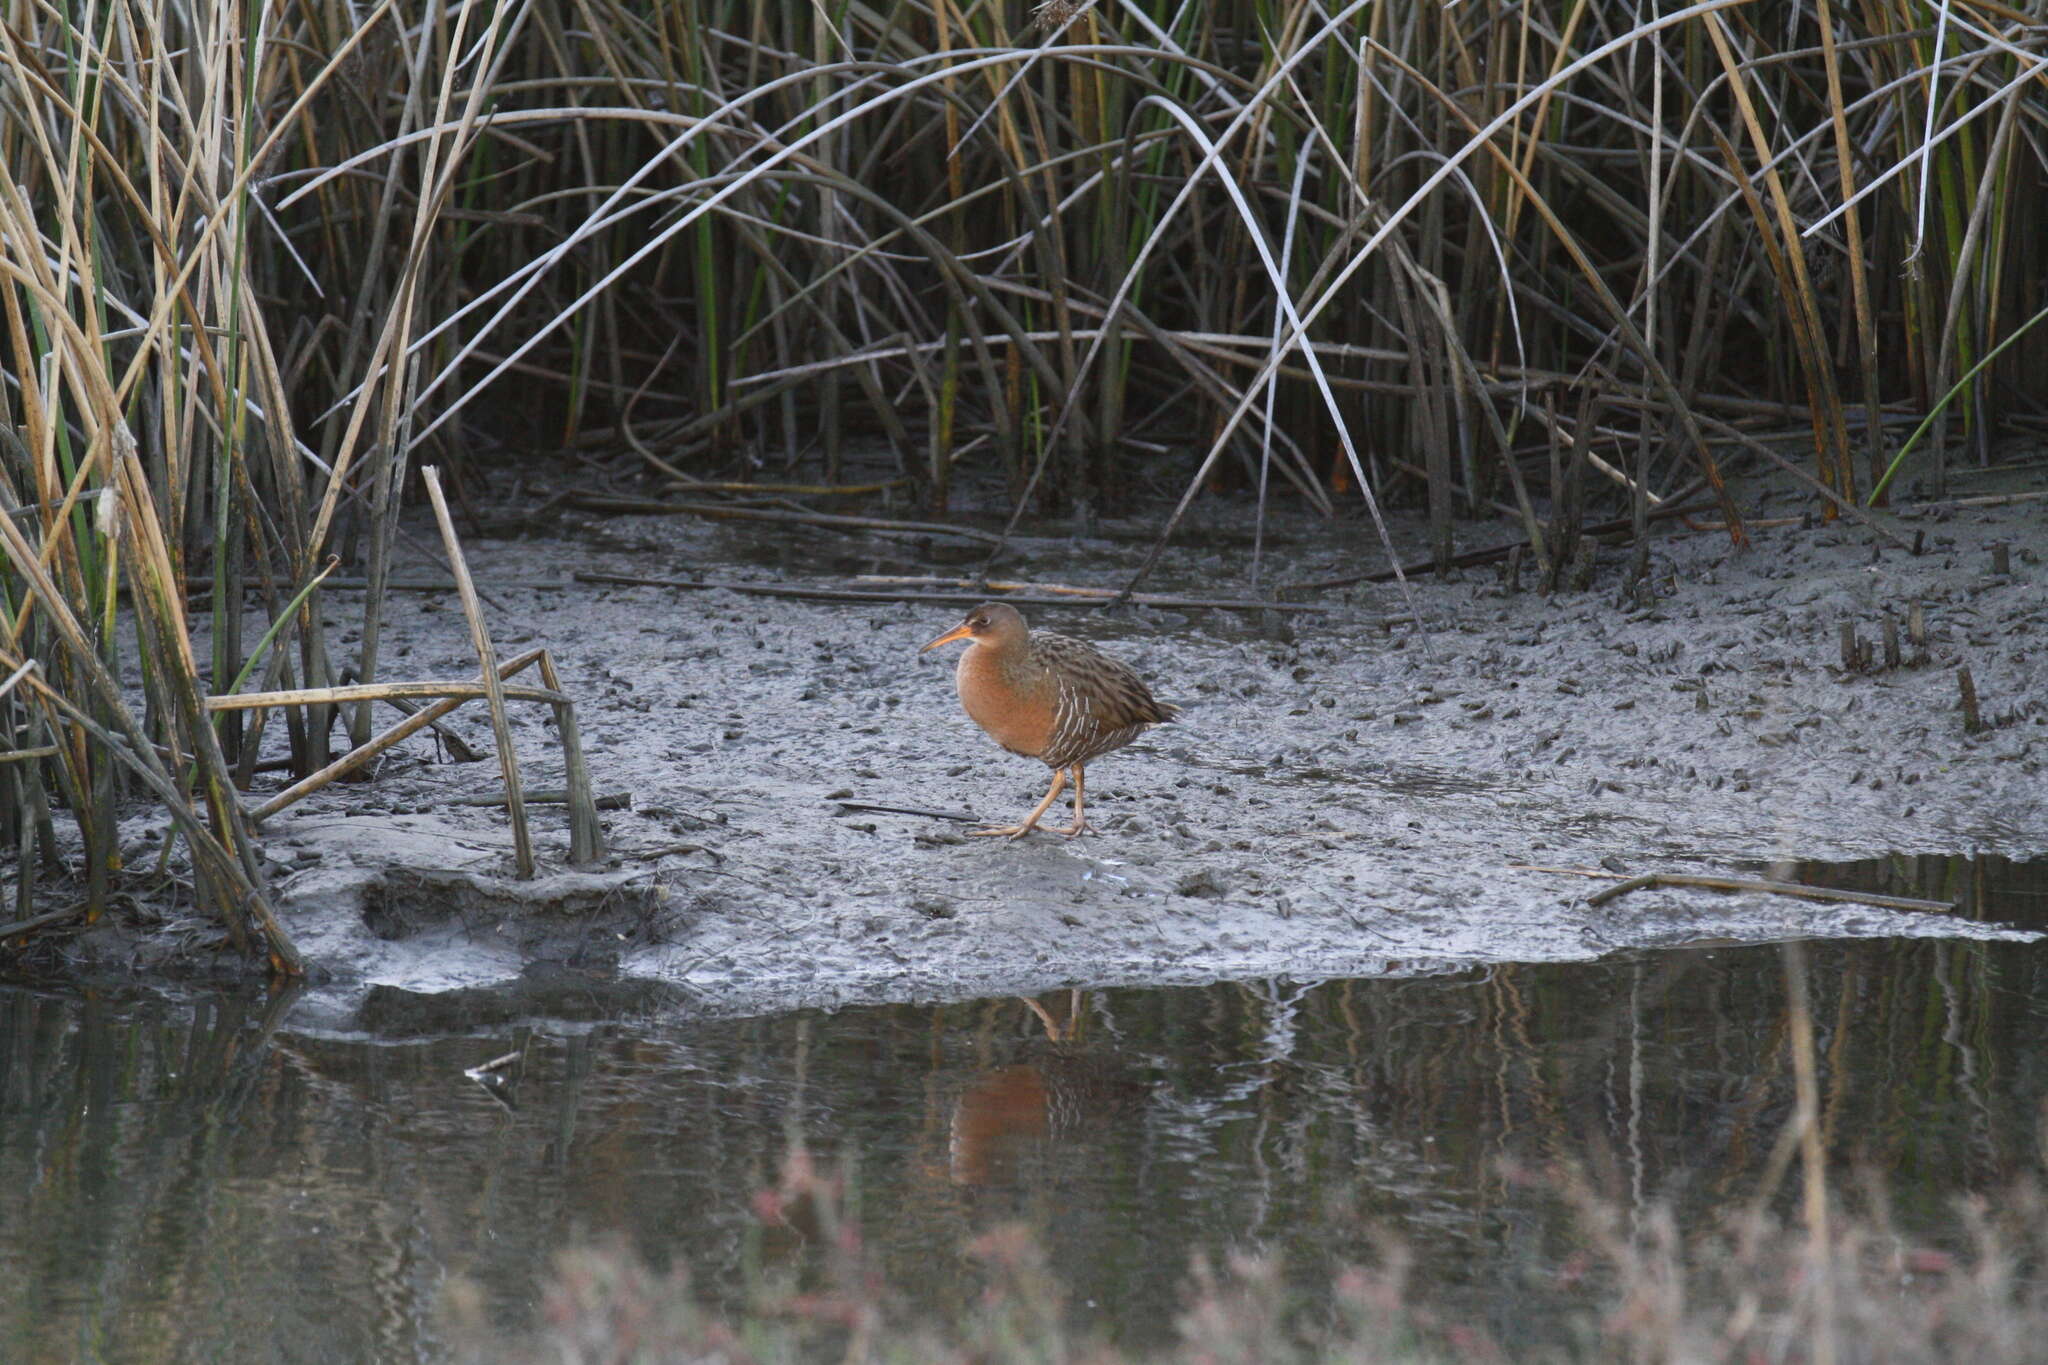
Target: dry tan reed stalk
487,659
357,757
384,691
20,755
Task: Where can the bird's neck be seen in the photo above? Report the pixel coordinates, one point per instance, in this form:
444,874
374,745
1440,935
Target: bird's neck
1012,661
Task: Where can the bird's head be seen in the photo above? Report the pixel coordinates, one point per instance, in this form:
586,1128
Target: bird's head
991,623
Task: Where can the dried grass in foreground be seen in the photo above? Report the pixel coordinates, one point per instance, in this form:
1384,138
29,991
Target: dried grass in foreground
1750,1290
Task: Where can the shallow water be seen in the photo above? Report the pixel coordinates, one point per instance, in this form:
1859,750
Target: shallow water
197,1179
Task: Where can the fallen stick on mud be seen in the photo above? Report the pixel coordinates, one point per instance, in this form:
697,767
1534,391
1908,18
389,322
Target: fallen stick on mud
438,584
546,796
964,817
23,926
1144,599
600,502
1985,500
1775,888
899,580
1753,523
668,850
1677,505
795,490
980,588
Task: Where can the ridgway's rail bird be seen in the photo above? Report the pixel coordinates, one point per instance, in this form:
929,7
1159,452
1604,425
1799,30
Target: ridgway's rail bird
1049,697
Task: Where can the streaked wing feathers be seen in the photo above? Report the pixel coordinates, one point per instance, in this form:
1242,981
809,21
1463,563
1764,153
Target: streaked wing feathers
1099,703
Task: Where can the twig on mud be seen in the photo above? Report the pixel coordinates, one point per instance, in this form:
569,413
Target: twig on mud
545,796
1577,871
439,584
604,502
645,855
1775,888
1985,500
964,598
42,921
795,490
1753,523
1041,593
1679,504
988,585
1901,510
964,817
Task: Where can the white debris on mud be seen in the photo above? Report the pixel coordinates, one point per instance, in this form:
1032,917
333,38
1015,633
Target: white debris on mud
1353,801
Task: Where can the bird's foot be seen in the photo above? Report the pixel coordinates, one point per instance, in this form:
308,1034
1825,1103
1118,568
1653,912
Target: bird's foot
1005,832
1078,827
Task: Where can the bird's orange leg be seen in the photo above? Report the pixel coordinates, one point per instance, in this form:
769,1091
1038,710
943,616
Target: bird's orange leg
1030,822
1080,821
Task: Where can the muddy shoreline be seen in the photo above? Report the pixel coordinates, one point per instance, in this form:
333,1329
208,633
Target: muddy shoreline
1340,798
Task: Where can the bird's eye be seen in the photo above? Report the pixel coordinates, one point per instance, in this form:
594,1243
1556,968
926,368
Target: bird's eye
979,622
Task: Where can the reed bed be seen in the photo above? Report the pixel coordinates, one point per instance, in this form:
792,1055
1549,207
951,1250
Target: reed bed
1556,263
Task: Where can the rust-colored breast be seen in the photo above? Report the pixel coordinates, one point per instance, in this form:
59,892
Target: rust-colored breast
1017,712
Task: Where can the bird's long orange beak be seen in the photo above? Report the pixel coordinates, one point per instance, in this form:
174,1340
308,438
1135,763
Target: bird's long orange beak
959,632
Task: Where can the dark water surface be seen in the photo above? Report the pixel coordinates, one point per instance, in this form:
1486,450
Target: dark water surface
194,1179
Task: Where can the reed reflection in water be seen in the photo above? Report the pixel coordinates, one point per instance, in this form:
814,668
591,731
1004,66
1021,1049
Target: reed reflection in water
195,1178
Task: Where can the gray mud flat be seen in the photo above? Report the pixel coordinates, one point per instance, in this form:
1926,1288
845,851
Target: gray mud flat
1348,802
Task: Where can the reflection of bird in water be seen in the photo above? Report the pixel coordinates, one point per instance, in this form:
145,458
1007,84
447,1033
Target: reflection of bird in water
1049,697
1064,1102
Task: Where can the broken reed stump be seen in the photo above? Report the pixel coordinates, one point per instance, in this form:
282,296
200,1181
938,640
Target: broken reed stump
1583,560
1973,722
2001,559
1859,655
1855,654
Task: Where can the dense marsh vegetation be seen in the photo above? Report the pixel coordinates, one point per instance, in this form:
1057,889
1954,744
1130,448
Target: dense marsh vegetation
263,261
